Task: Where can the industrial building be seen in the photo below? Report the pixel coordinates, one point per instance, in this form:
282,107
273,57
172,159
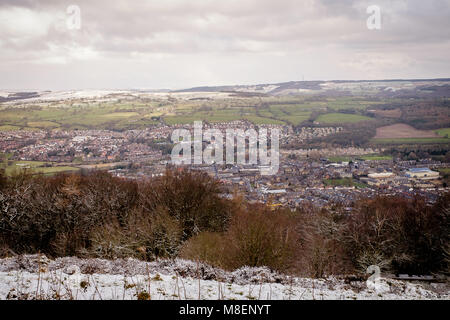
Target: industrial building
422,174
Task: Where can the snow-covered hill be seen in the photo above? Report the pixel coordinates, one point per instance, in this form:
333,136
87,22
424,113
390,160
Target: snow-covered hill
73,278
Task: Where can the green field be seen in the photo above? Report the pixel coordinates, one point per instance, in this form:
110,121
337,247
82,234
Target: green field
355,103
223,115
217,115
445,132
341,118
261,120
42,124
69,117
375,157
12,167
53,170
293,114
269,114
139,113
343,182
9,128
367,157
120,115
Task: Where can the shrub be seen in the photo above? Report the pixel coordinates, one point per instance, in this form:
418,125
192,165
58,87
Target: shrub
321,252
190,198
56,214
93,213
207,247
258,236
166,235
406,236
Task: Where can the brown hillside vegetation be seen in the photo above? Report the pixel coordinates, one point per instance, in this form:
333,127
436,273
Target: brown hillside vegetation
394,113
182,214
401,130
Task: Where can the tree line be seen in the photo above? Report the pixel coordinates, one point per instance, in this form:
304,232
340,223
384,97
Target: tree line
184,214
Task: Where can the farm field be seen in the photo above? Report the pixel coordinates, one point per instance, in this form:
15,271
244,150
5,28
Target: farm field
395,113
42,124
368,157
345,182
341,118
293,114
56,169
354,103
405,134
138,113
68,117
444,132
375,157
274,113
401,130
103,165
9,128
12,167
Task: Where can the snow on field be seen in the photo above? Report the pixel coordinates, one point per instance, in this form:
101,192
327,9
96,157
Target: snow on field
4,94
111,95
73,278
78,94
195,95
55,96
258,88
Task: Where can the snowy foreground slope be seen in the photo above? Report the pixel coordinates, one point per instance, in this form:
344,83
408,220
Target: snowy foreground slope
74,278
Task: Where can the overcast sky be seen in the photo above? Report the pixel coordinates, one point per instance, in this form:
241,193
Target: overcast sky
185,43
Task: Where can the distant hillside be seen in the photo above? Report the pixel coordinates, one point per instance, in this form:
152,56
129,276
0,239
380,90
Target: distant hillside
396,87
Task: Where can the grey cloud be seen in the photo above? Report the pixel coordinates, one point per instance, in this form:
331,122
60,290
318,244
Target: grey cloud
217,34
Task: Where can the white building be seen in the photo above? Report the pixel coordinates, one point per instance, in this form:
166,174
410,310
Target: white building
422,174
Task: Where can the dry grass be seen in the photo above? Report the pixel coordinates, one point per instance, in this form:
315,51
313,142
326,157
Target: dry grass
401,130
394,113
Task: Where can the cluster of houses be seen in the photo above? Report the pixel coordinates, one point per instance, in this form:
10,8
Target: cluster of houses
309,176
304,180
81,145
308,133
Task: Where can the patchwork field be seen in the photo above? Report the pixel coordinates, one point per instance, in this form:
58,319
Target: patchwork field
69,116
140,112
135,112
